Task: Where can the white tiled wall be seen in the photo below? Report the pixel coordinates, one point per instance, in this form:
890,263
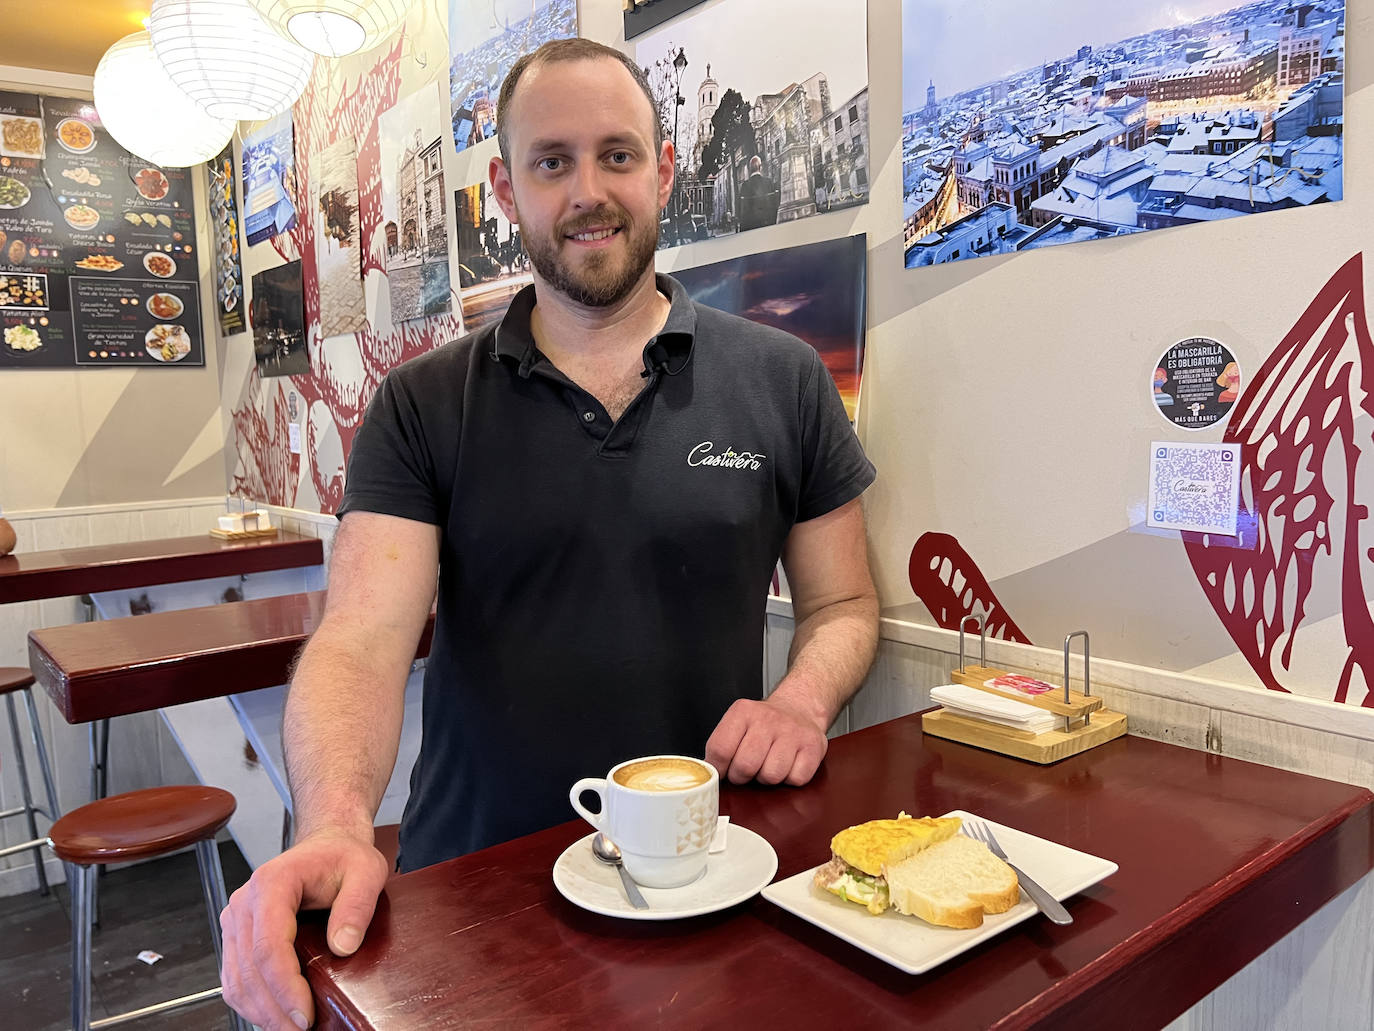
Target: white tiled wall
1323,739
309,524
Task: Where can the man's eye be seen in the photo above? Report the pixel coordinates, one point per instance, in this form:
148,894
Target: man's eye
550,164
620,157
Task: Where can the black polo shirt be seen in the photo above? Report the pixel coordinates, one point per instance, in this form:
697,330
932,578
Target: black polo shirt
601,585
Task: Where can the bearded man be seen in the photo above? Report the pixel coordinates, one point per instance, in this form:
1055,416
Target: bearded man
600,487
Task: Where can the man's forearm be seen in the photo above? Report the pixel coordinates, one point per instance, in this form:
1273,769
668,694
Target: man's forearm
832,650
341,730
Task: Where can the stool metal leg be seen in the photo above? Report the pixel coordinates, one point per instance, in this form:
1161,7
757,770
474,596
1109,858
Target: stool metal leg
212,885
23,770
79,880
44,764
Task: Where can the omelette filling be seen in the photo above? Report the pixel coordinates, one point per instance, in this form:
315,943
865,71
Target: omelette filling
853,885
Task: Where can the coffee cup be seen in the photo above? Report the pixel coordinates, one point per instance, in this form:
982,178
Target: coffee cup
661,810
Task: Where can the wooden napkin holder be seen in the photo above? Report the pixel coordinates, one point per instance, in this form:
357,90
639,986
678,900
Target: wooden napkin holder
244,526
243,535
1086,723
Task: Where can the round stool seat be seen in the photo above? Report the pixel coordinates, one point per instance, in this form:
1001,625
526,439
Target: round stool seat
140,824
12,678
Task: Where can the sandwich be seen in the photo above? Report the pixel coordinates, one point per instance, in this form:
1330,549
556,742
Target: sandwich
862,854
919,867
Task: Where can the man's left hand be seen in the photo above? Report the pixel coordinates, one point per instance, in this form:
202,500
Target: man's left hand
768,740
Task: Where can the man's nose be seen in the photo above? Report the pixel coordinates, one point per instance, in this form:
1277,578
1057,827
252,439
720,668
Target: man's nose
589,186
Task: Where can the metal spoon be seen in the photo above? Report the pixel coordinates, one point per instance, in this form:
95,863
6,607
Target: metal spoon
608,852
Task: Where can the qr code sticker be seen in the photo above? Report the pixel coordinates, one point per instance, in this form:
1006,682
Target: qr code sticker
1194,487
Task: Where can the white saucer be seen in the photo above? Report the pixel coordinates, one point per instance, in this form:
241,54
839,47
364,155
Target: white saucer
747,864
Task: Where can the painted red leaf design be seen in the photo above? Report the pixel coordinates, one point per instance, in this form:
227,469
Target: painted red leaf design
950,584
1297,425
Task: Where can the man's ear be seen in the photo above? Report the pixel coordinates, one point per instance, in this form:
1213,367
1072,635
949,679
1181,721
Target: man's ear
499,177
667,169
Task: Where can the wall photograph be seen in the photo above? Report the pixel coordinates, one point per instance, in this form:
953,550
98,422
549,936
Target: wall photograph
1031,125
764,134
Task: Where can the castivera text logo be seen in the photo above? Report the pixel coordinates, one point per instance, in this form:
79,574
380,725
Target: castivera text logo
705,453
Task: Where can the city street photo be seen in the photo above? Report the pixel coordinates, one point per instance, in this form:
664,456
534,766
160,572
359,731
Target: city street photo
1031,125
342,306
764,134
269,179
277,314
492,267
414,216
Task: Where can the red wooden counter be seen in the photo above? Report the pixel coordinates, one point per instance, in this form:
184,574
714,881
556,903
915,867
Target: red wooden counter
1219,859
114,567
114,667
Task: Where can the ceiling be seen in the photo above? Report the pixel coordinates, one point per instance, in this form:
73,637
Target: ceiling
73,43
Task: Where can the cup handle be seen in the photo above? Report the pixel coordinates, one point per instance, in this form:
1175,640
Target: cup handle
596,784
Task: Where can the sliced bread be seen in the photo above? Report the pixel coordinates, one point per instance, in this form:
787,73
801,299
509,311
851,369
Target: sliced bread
952,883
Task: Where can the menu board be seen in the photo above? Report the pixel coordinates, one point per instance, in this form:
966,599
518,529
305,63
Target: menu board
97,262
224,227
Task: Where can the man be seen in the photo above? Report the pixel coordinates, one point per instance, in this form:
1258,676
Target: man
601,485
758,198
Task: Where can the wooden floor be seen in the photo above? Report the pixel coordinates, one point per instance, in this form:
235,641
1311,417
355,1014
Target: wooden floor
156,905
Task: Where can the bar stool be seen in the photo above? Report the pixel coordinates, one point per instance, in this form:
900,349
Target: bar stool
139,825
17,680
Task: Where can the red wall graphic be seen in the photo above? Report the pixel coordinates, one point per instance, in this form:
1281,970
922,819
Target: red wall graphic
1303,403
950,584
265,469
1298,424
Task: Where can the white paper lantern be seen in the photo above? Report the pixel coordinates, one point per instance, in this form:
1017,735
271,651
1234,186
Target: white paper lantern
145,112
335,28
227,59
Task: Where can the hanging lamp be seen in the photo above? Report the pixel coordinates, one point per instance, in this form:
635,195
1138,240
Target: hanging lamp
335,28
227,59
147,114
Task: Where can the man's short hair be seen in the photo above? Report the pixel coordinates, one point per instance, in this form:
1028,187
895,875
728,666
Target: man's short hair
576,49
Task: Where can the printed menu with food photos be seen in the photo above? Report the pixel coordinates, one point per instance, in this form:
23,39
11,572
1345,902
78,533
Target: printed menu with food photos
97,260
224,227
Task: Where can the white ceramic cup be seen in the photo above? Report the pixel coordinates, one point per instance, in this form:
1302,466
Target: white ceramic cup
664,826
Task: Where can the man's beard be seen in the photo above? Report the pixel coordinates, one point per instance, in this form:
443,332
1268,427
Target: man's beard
600,283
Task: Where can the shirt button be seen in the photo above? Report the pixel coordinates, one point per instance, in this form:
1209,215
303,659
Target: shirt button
589,417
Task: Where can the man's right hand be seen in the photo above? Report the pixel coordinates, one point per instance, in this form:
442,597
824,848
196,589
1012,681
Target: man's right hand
328,870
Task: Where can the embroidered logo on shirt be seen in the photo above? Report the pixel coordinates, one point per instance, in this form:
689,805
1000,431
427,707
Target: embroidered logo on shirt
705,454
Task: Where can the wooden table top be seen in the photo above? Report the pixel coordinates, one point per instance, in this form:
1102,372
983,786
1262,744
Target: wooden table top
113,667
64,572
1218,860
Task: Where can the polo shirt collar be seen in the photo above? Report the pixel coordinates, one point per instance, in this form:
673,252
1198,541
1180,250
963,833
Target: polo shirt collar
513,338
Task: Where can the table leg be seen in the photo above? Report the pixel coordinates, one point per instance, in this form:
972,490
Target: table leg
98,746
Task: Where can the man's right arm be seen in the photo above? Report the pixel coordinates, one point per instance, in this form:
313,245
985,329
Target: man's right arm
341,732
342,724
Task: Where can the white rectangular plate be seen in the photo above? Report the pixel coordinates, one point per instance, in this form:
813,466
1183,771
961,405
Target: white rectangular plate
911,944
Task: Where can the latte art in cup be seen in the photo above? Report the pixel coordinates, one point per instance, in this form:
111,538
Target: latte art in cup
660,810
666,774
